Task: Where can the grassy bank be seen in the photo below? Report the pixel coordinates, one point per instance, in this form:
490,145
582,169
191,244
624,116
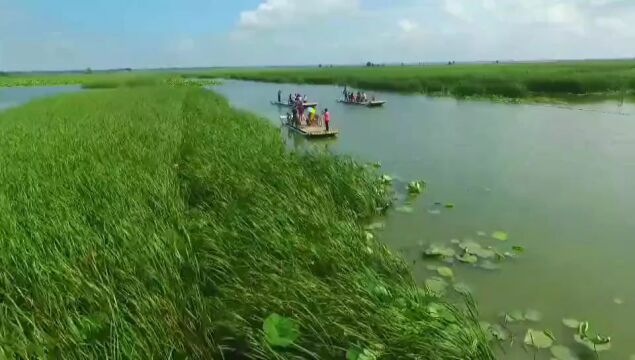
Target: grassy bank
558,80
99,80
156,222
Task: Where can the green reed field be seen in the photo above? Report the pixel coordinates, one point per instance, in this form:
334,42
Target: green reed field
157,222
596,79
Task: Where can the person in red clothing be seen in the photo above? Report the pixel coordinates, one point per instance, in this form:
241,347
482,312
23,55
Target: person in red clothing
327,118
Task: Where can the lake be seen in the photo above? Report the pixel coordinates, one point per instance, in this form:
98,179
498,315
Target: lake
14,96
557,179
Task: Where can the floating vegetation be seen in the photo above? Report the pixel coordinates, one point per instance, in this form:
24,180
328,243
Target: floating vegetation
499,332
455,241
560,352
462,288
439,251
376,165
437,286
280,331
594,342
533,315
432,267
415,187
571,323
445,272
603,344
449,206
481,233
467,258
405,209
500,235
539,339
434,211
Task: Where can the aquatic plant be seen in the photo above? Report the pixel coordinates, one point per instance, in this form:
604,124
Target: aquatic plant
157,222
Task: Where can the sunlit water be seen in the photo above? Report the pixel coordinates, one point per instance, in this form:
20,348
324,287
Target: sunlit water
559,180
14,96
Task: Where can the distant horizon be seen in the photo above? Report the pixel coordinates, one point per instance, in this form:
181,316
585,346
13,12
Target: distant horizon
359,64
43,35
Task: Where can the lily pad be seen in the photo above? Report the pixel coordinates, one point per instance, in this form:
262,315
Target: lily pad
533,315
500,236
436,285
589,344
462,288
538,339
445,272
499,332
571,323
467,258
437,250
483,253
560,352
280,331
405,209
489,266
469,245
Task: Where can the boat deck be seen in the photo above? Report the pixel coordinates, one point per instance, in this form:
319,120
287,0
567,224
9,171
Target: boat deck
375,103
314,131
306,104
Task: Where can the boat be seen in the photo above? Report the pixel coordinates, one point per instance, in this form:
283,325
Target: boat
373,103
310,131
306,104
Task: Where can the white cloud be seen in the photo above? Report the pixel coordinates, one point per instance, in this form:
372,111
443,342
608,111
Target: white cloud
280,13
407,26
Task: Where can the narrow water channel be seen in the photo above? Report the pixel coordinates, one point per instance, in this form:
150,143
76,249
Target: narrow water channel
559,180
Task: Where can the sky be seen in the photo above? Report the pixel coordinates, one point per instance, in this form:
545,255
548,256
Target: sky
106,34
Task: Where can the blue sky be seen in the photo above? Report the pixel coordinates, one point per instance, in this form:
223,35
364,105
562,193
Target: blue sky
75,34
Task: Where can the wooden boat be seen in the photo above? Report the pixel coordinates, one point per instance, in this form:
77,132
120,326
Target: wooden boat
373,103
306,104
310,131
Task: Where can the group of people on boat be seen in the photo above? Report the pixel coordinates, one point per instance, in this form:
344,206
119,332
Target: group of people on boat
360,97
304,117
293,100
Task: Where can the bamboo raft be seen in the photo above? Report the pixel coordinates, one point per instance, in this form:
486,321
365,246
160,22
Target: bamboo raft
375,103
310,131
306,104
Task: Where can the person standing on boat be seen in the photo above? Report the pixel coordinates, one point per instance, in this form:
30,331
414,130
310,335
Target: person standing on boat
280,96
327,118
345,92
290,99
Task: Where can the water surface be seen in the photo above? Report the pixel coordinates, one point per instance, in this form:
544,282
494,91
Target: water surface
14,96
559,179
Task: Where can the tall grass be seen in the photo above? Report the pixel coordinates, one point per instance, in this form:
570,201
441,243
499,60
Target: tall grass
555,80
157,222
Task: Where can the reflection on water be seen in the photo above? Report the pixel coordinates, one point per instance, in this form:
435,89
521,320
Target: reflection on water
558,179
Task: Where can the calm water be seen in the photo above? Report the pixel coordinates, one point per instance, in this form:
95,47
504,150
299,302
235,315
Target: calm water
560,181
14,96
